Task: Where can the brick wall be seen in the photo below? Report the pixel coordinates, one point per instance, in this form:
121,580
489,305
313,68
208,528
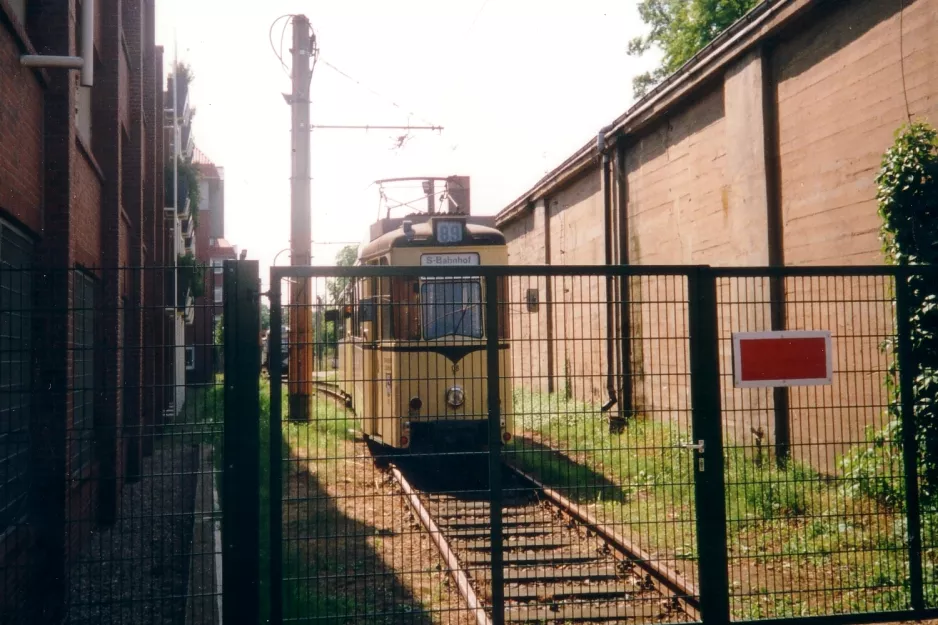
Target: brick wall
21,128
86,209
67,193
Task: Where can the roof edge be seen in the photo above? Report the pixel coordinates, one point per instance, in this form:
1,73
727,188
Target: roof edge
762,20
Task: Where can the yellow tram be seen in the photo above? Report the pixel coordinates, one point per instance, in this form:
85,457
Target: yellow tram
413,358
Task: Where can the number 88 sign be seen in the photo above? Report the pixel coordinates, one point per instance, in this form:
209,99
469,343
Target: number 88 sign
449,231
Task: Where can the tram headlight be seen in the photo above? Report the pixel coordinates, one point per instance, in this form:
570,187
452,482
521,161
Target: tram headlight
455,397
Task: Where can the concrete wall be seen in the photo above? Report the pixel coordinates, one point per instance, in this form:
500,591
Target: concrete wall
772,160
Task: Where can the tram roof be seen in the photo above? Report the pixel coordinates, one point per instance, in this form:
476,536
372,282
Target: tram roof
480,235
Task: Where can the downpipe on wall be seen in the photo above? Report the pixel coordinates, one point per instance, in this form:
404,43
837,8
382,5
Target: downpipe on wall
615,422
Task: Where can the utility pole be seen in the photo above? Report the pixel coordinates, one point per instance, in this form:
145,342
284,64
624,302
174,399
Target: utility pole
301,340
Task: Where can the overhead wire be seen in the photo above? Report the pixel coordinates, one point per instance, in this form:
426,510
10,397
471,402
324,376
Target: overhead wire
376,93
270,37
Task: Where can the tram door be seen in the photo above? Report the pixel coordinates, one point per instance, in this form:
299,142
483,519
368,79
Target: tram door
369,371
387,383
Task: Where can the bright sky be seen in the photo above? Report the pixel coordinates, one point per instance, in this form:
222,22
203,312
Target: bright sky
517,84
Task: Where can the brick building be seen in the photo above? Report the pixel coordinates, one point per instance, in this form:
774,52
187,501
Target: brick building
762,150
212,250
84,362
182,240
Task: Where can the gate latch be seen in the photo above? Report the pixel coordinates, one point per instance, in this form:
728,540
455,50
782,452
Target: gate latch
699,447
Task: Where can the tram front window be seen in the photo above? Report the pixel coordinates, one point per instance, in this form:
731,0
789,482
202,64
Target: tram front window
451,308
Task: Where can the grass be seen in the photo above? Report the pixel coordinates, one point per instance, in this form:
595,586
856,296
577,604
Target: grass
326,430
799,543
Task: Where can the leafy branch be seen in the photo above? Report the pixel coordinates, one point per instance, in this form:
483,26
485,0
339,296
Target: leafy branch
680,28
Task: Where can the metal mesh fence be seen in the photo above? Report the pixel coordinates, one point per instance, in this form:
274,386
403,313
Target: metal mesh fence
627,478
491,444
814,510
110,422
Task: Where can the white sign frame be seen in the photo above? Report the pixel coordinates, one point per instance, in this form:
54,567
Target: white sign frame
474,257
738,337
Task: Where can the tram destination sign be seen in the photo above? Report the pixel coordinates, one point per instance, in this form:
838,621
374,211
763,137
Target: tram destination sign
470,259
782,358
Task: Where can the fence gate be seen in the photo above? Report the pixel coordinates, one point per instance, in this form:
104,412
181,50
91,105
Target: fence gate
496,444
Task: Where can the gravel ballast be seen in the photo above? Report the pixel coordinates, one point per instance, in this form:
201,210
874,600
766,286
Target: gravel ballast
136,570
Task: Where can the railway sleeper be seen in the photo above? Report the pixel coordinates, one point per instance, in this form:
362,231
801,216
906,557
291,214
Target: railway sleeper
546,592
631,611
463,521
447,511
515,543
590,573
479,504
533,557
532,529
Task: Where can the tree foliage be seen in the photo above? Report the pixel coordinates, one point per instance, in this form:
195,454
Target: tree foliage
346,257
908,205
265,317
680,28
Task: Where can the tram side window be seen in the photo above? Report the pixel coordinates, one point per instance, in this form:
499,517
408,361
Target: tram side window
405,309
451,307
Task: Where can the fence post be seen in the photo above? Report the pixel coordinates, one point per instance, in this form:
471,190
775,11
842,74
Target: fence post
240,475
709,486
909,440
275,449
495,444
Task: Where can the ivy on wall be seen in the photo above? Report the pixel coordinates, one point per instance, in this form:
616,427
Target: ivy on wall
189,179
192,274
908,205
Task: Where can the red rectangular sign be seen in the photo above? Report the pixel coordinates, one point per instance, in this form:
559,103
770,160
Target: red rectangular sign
786,358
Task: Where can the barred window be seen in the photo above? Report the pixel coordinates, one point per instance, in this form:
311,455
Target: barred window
81,435
16,307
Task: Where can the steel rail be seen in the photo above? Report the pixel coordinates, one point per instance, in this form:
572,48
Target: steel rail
685,592
456,571
332,390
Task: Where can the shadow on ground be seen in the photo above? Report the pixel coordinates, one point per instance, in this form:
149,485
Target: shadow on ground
575,480
332,571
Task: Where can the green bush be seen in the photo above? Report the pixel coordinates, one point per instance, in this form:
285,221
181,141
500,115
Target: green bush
908,205
875,470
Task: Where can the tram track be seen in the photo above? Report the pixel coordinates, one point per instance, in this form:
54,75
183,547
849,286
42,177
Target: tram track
559,564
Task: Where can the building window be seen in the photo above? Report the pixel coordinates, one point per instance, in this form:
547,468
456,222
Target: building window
212,241
219,295
16,308
81,435
218,264
190,357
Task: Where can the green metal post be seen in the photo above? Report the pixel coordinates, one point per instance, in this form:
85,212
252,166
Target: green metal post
710,493
240,476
